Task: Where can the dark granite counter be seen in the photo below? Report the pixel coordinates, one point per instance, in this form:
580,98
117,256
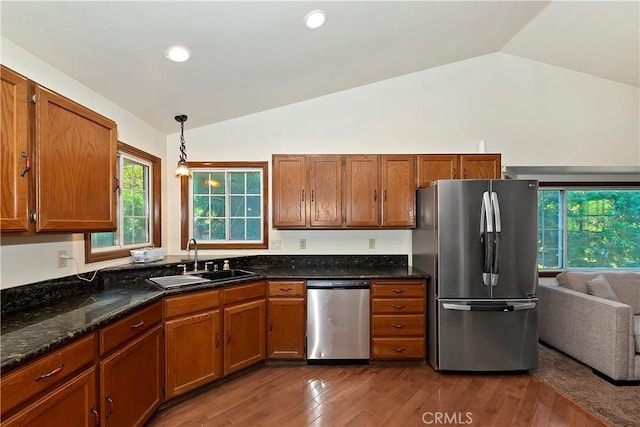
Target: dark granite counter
40,317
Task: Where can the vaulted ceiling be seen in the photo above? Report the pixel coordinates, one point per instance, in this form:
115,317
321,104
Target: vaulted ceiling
249,56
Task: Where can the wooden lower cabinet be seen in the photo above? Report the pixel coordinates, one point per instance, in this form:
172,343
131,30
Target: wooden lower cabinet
71,404
193,341
398,319
244,326
286,320
131,381
193,351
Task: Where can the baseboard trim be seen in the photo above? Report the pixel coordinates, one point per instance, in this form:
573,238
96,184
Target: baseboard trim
617,383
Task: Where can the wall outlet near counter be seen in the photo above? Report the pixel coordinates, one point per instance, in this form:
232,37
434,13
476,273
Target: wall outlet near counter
276,244
372,243
62,258
303,243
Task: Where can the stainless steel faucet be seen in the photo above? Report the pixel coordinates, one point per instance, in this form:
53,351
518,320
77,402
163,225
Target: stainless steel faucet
195,252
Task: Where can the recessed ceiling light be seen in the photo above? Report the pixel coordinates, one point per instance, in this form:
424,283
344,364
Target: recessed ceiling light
315,19
177,53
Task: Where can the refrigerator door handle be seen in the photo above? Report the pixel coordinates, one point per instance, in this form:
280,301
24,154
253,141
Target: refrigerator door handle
524,306
458,307
486,237
495,264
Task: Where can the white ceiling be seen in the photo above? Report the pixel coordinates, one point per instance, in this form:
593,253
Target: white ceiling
249,56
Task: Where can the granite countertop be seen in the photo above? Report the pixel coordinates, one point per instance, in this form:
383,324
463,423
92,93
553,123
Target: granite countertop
34,330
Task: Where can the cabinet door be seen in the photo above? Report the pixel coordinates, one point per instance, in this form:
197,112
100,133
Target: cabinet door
244,335
286,328
14,203
362,191
325,184
193,351
71,404
398,191
75,166
131,381
432,167
480,166
289,191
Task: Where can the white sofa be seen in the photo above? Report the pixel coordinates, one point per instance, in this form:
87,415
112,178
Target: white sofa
602,333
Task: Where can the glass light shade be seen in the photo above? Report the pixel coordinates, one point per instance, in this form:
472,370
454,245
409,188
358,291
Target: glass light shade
177,53
183,169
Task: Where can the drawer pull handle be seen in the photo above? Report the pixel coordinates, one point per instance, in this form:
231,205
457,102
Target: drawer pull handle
398,306
286,289
398,291
399,350
96,416
228,337
137,325
399,325
110,406
52,373
217,339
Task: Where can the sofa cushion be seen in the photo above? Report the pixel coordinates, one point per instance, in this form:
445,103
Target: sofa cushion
636,331
600,287
625,284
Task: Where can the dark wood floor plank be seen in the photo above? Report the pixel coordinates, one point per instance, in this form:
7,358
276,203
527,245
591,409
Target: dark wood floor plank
375,395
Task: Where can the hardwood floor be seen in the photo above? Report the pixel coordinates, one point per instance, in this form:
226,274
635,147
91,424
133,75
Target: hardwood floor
375,396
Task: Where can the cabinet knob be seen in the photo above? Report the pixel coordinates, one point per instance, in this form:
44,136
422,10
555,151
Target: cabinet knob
399,349
109,406
398,291
96,416
27,164
399,325
398,306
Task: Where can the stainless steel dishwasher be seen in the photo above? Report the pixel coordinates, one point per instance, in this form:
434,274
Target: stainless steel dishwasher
338,321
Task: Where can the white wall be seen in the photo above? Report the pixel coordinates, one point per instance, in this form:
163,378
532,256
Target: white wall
31,259
532,113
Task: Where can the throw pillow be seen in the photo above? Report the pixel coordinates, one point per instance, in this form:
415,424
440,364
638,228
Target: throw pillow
600,287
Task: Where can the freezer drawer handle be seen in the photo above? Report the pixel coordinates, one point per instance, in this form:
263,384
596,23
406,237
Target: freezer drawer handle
459,307
524,306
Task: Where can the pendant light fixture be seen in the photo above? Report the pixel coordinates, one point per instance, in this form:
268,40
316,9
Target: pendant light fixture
182,169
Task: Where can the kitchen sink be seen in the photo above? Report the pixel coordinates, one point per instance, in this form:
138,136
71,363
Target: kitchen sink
221,275
180,280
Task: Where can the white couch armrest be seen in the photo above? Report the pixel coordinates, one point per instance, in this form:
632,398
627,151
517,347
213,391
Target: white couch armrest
596,331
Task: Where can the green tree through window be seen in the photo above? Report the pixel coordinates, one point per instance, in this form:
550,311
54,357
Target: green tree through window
588,228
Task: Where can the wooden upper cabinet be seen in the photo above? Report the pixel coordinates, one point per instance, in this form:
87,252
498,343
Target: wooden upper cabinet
480,166
432,167
398,191
76,166
16,152
325,185
362,191
289,191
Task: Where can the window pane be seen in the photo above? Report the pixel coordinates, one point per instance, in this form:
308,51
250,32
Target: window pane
254,183
253,206
218,206
550,233
237,229
237,206
254,229
201,206
218,229
603,228
103,240
237,182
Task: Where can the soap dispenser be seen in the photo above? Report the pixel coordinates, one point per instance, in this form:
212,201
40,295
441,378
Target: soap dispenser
225,266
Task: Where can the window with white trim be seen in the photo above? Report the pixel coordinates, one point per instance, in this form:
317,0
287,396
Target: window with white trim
226,205
138,223
588,227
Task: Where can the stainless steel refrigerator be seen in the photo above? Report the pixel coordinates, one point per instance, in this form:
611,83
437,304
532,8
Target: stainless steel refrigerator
477,239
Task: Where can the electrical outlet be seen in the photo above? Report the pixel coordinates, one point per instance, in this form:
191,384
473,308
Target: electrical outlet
276,244
62,260
303,243
372,243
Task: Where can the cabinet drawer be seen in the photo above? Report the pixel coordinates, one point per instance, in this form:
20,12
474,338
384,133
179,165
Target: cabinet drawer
397,325
286,288
244,292
397,305
402,289
190,303
397,348
130,327
19,385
